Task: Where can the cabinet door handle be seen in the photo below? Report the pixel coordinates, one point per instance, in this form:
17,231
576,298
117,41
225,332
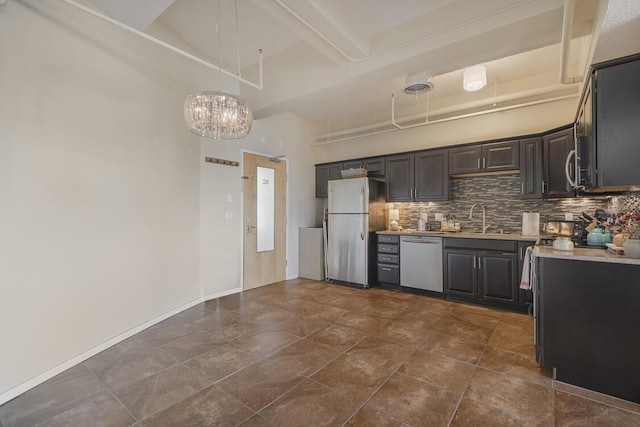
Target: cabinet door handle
544,187
386,269
522,188
478,162
484,162
474,261
479,264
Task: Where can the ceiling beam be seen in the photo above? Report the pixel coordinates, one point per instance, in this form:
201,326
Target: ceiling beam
138,14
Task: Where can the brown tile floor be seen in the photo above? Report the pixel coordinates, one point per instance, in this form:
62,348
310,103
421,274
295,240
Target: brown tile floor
308,353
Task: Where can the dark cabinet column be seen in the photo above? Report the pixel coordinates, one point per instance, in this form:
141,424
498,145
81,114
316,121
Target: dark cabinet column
587,324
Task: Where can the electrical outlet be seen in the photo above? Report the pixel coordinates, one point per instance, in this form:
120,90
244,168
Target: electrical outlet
568,216
439,216
228,215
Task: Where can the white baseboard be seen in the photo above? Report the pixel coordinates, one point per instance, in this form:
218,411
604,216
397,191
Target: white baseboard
39,379
222,293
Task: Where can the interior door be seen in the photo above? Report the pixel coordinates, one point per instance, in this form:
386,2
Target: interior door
264,210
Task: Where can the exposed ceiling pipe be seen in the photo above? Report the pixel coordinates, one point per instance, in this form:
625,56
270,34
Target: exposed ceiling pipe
565,42
393,116
446,119
403,45
540,91
172,48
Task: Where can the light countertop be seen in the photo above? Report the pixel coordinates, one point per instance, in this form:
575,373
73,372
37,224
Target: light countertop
463,235
583,254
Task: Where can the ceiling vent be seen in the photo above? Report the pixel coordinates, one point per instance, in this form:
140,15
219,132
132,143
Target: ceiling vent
416,84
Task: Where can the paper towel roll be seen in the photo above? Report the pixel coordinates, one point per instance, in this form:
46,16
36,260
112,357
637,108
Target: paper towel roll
531,223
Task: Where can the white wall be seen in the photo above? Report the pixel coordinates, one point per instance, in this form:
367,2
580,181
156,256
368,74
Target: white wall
286,134
620,33
99,187
503,124
103,188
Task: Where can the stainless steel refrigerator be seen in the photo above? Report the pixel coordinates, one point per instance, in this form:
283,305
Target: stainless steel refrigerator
356,212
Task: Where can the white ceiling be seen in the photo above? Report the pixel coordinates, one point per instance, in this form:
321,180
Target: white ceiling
337,62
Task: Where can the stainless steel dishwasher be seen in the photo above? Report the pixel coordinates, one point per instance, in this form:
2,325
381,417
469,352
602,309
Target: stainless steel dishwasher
421,263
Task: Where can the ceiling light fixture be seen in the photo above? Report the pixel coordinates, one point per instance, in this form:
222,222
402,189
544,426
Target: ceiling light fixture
474,78
219,115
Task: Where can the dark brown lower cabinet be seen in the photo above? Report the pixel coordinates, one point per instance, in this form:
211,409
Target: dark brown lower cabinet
474,272
498,273
587,321
460,273
389,261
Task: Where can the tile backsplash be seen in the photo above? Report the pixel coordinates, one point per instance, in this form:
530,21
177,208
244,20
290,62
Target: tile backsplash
501,196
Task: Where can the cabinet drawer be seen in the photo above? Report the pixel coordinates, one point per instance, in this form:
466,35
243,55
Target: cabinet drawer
388,238
389,274
481,244
388,249
388,259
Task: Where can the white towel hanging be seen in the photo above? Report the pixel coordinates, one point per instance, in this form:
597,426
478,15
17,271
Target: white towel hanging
525,281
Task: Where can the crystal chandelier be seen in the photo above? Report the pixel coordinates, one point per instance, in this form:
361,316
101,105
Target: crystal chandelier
218,115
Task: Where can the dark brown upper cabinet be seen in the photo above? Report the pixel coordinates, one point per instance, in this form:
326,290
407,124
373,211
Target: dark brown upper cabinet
399,177
531,168
374,166
500,156
491,157
556,148
326,173
322,179
608,126
421,176
431,175
351,164
465,159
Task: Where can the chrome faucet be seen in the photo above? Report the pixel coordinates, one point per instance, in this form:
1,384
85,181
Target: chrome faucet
484,216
